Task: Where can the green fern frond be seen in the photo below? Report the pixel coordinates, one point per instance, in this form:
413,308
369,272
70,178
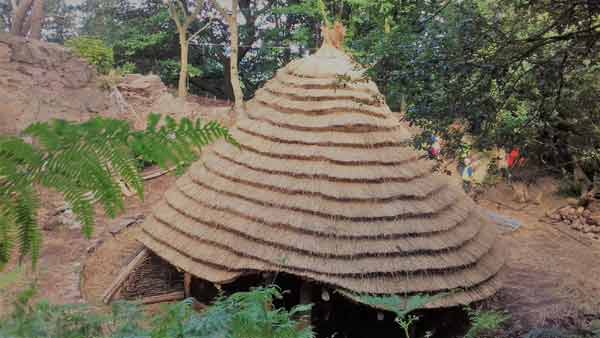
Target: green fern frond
87,163
28,232
7,237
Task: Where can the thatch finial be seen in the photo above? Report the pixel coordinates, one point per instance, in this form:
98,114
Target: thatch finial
334,36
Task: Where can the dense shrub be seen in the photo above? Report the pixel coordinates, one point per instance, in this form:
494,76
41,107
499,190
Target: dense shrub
94,51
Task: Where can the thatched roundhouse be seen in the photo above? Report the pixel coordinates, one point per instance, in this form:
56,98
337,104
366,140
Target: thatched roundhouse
326,187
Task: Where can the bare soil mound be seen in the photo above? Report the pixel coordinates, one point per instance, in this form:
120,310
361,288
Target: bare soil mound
40,81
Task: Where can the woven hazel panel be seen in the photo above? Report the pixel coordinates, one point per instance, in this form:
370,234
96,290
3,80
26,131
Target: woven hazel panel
154,276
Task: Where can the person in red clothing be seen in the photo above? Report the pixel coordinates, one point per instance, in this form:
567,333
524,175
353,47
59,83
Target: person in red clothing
515,159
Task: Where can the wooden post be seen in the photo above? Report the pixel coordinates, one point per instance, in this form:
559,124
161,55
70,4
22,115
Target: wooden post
187,282
306,298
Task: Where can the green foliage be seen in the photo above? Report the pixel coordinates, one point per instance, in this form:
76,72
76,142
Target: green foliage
485,323
401,307
169,71
569,187
126,68
94,51
86,163
49,321
241,315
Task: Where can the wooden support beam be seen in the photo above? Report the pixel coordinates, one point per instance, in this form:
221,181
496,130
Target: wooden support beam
306,293
187,282
122,276
167,297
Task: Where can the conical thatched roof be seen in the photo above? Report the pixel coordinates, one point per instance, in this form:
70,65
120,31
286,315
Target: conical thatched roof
326,187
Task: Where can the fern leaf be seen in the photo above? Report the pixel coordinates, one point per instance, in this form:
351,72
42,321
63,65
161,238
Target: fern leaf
7,237
28,232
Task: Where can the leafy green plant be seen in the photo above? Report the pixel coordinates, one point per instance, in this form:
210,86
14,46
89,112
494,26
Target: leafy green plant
248,314
485,323
87,163
44,320
242,315
94,51
401,307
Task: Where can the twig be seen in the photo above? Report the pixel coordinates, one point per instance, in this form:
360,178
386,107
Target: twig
157,174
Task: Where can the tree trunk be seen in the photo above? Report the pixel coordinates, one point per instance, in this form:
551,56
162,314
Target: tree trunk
235,75
37,20
19,17
228,87
183,72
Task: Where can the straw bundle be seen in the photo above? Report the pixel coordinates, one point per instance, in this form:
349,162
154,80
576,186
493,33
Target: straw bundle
326,187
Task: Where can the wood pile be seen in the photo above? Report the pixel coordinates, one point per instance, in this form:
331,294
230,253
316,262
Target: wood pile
584,218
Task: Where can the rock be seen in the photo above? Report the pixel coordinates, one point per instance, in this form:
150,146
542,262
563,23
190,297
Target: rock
555,216
587,213
579,211
40,81
95,244
67,217
566,211
594,219
572,201
145,85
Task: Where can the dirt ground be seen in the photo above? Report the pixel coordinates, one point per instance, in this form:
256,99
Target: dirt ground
551,278
552,275
67,257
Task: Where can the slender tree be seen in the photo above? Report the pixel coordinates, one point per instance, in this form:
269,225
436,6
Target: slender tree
27,18
183,19
231,17
37,20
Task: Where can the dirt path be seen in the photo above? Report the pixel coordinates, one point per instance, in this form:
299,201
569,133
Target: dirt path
552,276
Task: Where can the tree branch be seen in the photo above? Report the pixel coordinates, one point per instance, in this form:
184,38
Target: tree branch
220,9
195,12
174,16
201,30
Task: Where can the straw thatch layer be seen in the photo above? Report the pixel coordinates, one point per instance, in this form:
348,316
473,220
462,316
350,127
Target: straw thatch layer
326,186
